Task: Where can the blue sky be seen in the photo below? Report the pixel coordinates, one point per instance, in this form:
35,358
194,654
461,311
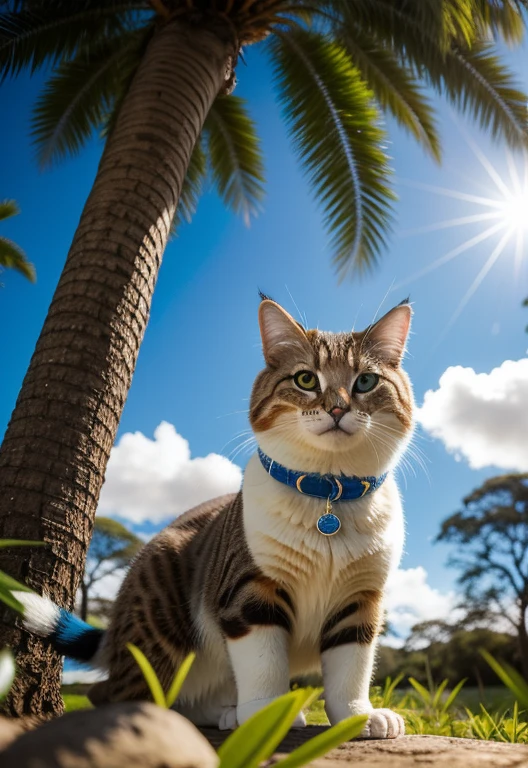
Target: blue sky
201,350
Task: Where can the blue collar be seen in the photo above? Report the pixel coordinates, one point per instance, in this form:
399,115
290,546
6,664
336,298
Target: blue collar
329,487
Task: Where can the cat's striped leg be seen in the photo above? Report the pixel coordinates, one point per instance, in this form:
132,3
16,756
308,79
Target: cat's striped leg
256,623
348,646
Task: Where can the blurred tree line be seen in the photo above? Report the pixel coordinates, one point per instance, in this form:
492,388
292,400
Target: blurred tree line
490,534
452,652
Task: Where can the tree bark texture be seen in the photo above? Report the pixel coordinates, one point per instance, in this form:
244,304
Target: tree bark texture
84,601
54,454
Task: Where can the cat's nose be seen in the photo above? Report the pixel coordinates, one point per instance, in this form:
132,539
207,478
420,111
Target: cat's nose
336,413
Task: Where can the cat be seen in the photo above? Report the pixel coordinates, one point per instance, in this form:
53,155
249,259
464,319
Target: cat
286,577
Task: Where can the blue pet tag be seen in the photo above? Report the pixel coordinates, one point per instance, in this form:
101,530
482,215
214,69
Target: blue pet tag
328,524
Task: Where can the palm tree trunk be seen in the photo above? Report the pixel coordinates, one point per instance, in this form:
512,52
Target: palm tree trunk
55,451
84,600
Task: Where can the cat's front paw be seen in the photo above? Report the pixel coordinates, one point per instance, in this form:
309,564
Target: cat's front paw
245,711
383,724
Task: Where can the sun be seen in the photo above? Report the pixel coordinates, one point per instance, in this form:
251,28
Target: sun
503,216
514,211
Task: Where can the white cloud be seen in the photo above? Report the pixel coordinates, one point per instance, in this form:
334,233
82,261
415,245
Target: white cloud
410,599
482,416
157,479
70,676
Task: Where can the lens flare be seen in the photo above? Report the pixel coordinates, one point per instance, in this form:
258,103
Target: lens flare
505,215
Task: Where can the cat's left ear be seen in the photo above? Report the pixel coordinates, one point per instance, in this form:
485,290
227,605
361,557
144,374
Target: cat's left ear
281,335
387,338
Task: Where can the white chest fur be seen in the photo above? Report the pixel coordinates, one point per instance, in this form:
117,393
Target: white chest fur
320,572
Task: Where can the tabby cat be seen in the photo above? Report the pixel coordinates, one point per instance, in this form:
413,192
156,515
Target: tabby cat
286,577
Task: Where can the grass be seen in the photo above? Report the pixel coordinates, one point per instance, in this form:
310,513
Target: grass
73,701
477,714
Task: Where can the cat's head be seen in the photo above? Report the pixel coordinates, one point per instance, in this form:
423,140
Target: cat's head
332,402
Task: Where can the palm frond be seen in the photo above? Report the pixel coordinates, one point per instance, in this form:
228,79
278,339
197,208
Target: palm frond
394,87
192,185
235,155
337,135
46,33
80,95
473,78
389,20
503,18
8,208
407,26
477,83
13,257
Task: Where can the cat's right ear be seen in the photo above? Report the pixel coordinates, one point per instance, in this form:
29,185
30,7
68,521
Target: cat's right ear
281,334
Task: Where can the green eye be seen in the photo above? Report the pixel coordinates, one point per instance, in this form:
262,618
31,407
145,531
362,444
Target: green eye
306,380
366,382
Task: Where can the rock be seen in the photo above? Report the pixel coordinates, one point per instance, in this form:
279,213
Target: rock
131,735
405,752
11,728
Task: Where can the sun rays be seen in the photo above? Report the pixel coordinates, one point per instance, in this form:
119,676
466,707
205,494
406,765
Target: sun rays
501,218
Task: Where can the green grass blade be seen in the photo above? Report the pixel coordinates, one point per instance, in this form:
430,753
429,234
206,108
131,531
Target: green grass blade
149,675
256,740
454,693
421,691
510,677
322,744
438,693
477,727
179,679
7,584
494,726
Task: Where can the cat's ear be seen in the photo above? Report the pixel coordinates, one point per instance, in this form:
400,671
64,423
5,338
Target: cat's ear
386,339
281,334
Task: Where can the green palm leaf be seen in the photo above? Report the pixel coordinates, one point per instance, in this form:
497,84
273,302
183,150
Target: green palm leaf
81,95
13,257
50,32
235,155
337,135
504,19
473,78
476,82
394,87
8,208
393,20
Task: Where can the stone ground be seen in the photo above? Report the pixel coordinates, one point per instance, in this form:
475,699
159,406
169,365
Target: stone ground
406,752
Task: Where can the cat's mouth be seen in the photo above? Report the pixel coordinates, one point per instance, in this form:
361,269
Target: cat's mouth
335,429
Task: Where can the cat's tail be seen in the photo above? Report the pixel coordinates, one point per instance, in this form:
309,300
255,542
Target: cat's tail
68,634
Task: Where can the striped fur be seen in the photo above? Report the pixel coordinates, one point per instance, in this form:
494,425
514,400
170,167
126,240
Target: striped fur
246,581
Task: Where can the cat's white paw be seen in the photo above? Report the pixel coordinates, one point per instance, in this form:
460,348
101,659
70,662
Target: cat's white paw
383,724
228,719
233,716
300,721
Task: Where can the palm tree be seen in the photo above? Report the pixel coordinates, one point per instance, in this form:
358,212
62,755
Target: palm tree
154,77
11,256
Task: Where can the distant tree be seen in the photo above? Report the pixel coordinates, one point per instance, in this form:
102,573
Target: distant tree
440,649
491,533
11,256
112,547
